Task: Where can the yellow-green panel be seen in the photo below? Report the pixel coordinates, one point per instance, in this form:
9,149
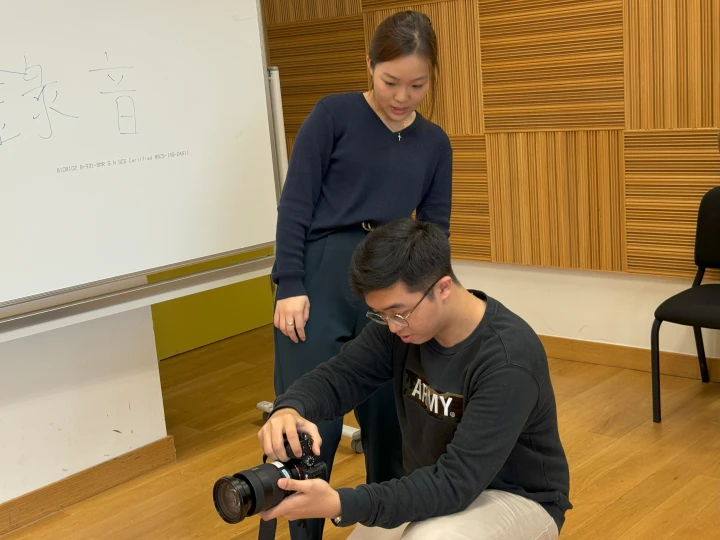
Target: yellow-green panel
190,322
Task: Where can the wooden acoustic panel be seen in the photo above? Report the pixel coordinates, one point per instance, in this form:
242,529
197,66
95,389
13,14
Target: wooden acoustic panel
289,11
458,108
672,64
556,199
316,58
552,65
666,175
374,5
470,220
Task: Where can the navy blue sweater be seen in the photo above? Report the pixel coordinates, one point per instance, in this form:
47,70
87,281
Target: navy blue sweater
347,167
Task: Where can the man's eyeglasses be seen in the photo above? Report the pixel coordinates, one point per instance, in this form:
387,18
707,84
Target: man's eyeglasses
399,320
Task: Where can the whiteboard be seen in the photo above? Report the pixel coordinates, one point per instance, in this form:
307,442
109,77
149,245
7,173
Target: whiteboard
133,135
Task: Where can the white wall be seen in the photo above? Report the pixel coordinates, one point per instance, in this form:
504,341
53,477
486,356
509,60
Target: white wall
84,388
64,392
591,306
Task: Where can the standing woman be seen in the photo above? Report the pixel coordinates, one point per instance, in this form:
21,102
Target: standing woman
359,160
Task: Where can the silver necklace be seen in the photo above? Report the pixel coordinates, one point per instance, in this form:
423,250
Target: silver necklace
403,127
373,105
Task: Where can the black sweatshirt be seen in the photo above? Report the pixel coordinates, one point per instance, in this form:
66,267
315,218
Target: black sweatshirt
478,415
347,167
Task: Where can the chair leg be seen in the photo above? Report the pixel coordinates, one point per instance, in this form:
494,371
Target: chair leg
701,354
655,357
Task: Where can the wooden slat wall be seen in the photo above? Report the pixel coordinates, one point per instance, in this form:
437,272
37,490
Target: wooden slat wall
470,220
550,65
666,175
372,5
316,58
583,130
459,106
557,198
672,63
289,11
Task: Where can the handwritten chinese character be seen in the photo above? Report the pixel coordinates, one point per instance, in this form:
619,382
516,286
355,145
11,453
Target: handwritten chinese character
116,84
28,101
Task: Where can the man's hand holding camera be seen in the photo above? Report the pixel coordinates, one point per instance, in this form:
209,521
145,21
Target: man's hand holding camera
287,422
313,498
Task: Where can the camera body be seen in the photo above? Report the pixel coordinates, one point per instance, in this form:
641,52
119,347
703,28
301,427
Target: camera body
306,466
251,491
307,458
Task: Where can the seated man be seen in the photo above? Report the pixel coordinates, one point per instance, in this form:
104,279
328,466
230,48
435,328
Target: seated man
473,396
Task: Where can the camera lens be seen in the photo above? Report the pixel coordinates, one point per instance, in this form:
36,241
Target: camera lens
251,491
233,497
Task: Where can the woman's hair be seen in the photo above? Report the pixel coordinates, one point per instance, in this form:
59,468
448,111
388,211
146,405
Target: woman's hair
403,34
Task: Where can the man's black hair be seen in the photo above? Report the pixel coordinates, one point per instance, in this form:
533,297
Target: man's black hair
413,252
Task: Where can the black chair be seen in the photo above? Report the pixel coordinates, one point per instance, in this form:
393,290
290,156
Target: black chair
698,306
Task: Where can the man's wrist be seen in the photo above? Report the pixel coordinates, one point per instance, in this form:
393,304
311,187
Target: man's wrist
355,506
294,404
338,519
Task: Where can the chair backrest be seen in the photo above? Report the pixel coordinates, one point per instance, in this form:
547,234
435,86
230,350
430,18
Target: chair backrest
707,237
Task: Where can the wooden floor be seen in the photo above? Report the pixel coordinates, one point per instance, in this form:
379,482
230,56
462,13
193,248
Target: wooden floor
630,478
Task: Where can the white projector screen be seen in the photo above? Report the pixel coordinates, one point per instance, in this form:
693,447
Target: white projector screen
133,135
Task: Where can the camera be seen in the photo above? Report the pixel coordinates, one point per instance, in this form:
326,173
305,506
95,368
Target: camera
254,490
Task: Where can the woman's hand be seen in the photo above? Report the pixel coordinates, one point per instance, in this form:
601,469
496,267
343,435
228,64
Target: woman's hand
291,315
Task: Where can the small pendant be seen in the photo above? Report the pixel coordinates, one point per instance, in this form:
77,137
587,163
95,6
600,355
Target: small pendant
399,136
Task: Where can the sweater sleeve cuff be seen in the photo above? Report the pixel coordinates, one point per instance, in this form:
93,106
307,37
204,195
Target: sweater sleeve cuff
355,506
289,403
289,287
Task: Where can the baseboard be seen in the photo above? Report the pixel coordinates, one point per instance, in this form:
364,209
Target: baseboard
47,500
609,354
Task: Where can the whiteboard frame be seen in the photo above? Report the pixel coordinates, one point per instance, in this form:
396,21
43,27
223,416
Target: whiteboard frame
125,277
52,317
